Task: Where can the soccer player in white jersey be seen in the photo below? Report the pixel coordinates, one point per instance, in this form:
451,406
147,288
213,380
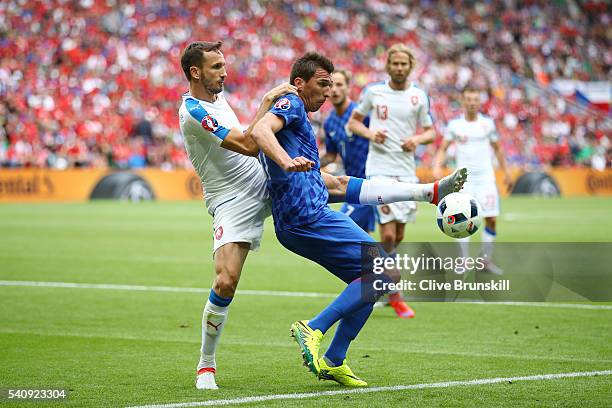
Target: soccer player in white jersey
474,134
235,184
397,109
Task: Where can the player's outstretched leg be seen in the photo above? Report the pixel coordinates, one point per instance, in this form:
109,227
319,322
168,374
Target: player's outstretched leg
377,192
309,341
449,184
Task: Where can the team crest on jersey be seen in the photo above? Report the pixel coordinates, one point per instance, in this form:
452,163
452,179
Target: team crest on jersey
282,104
209,123
219,233
414,99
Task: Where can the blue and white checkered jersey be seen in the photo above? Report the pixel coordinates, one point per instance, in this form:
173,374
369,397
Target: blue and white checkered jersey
352,149
297,198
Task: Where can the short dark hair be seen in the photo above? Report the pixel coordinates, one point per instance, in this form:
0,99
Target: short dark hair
306,66
193,55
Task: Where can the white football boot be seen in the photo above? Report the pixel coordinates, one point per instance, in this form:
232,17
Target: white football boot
206,380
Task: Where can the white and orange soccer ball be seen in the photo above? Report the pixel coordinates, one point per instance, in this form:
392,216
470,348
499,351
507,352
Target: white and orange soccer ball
458,215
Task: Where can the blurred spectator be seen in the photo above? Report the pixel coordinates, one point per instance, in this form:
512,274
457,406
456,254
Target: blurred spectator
98,83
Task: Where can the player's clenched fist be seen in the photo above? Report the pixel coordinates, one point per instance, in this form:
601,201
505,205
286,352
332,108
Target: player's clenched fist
298,164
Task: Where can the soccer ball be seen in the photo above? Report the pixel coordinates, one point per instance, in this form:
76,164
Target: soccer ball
458,215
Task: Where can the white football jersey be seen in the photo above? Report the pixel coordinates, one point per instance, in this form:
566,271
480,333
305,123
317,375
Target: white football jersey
400,113
223,173
473,145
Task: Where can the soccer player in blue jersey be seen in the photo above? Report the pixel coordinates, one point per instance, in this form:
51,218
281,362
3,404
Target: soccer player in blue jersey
306,225
353,149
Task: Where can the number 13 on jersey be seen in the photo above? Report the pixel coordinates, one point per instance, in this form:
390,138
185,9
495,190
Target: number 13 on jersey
382,112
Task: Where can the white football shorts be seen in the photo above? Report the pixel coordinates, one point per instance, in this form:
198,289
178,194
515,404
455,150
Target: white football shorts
240,219
485,192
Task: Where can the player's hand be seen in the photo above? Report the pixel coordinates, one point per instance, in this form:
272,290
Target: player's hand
298,164
380,136
410,144
437,173
278,91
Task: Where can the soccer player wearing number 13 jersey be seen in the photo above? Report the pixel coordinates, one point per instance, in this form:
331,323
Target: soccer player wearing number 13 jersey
397,109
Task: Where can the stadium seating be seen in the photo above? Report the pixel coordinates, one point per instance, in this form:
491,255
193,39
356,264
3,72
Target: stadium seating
83,84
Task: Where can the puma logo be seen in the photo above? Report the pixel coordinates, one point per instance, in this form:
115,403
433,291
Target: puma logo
216,327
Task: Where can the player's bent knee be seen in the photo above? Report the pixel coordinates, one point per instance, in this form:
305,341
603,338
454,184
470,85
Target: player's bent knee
226,282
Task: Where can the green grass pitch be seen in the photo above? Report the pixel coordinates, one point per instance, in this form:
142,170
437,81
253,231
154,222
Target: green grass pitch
125,348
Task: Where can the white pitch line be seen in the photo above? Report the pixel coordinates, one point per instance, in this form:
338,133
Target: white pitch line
447,384
142,288
247,292
542,304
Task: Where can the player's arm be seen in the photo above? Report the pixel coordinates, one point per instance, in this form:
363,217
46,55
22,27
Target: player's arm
426,137
336,186
503,166
355,125
264,135
440,159
242,142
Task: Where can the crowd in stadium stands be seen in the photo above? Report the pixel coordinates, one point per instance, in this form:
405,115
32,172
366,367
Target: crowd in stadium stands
97,83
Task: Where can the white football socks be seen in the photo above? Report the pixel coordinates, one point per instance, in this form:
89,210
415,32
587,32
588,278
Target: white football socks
377,192
213,320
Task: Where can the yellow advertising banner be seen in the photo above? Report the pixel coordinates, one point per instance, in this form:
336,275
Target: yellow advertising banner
40,185
22,185
173,185
583,182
